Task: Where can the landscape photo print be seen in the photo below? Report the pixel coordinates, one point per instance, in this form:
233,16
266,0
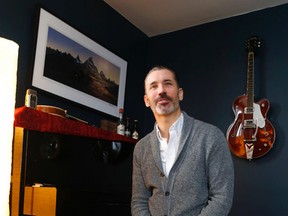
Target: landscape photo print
72,66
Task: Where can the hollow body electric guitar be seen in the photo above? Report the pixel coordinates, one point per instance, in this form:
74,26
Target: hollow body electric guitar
251,135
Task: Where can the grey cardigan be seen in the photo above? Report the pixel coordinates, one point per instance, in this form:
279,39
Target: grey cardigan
201,182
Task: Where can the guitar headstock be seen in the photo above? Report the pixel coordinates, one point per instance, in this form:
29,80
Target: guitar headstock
252,44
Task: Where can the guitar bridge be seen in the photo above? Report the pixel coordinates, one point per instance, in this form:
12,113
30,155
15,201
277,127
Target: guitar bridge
250,140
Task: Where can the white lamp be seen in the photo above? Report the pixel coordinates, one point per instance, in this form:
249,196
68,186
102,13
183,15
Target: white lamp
8,81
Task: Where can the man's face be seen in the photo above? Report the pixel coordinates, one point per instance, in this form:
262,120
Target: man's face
162,93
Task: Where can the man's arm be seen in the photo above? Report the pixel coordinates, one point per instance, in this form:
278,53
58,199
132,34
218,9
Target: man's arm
140,194
220,179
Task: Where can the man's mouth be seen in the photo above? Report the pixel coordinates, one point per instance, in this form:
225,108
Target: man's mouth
163,101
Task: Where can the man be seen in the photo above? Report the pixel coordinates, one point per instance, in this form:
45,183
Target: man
183,167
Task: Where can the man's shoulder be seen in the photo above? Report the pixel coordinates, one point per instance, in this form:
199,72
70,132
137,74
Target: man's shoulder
199,124
148,138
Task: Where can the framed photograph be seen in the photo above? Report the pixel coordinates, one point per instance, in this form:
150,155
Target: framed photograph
71,65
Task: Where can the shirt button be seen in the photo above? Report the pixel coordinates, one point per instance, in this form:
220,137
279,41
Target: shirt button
167,193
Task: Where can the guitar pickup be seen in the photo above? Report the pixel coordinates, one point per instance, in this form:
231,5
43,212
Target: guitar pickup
249,123
248,110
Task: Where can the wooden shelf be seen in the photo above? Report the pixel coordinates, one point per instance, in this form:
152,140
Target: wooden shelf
32,119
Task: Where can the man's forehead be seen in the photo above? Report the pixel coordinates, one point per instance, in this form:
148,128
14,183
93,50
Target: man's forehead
159,75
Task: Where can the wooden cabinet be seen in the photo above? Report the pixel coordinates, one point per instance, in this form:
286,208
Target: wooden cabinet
16,191
40,201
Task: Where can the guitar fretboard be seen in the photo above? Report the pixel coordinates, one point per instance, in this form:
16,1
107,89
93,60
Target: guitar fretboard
250,82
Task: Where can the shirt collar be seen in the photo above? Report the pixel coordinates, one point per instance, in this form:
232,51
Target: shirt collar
176,126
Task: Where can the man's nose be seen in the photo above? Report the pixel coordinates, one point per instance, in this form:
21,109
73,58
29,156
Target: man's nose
161,89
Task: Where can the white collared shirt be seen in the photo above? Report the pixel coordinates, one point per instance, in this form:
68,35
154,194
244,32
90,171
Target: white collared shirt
168,151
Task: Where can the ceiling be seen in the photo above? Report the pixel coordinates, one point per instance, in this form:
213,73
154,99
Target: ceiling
156,17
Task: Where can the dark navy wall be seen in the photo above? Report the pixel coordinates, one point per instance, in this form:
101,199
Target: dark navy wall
95,19
212,61
95,187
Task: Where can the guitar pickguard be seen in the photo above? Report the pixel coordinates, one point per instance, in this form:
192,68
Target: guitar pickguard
258,118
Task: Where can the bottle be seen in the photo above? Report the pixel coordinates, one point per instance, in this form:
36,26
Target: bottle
127,128
135,134
31,98
120,124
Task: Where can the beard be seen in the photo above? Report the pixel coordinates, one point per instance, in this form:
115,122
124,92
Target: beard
164,104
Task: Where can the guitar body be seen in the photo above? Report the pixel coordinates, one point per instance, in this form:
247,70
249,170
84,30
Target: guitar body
251,135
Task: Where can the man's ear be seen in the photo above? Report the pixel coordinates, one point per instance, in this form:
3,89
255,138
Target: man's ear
146,101
180,94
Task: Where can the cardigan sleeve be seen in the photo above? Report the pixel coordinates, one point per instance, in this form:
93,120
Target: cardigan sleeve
140,194
220,177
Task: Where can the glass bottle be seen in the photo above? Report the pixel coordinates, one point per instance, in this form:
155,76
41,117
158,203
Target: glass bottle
120,124
127,127
135,134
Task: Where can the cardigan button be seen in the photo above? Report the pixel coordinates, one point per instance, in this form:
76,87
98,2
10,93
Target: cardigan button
167,193
162,174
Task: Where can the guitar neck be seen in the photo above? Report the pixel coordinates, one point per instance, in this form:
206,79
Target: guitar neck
250,81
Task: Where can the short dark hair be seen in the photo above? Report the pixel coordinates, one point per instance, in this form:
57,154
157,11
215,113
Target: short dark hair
161,67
